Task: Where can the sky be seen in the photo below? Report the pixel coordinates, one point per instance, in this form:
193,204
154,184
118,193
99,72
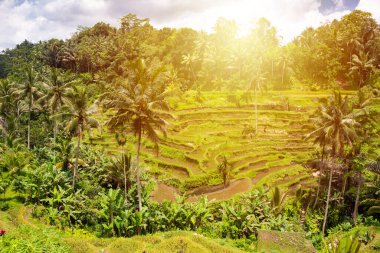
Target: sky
37,20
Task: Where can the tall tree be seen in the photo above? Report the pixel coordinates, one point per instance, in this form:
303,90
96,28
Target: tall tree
140,103
284,62
320,138
338,124
362,154
7,105
29,91
257,84
79,119
361,66
57,87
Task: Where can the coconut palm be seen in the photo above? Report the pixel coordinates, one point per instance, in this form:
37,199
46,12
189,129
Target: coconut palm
65,149
29,91
190,62
284,63
7,93
140,104
79,119
256,84
319,137
338,129
361,65
361,156
57,88
8,106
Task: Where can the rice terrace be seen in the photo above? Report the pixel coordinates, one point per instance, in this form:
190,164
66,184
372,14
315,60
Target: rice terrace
189,126
201,133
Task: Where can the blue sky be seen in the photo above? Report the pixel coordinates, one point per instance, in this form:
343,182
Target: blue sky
330,6
43,19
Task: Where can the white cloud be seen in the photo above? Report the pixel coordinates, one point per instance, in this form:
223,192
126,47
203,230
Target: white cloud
43,19
290,17
372,6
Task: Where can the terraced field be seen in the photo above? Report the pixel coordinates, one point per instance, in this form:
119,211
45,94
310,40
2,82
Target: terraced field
203,131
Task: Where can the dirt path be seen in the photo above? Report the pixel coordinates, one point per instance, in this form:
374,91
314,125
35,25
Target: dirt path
235,187
164,192
238,186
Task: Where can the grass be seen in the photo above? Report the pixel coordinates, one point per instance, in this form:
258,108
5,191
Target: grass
286,242
25,234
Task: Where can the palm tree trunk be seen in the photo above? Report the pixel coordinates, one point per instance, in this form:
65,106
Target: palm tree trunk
102,120
282,75
344,186
224,190
320,177
77,154
125,178
29,130
272,70
29,119
327,202
355,215
256,113
138,167
54,135
111,218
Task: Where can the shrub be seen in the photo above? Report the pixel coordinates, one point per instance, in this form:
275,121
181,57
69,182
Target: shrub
126,246
4,206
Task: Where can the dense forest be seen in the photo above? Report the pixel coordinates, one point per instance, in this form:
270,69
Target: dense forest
136,131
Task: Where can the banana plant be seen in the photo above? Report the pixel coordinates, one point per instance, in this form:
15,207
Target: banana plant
138,220
201,213
348,244
112,205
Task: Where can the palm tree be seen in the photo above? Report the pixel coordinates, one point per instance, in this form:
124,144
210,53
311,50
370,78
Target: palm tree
65,149
69,56
237,59
338,128
7,105
80,119
56,96
361,65
361,156
51,53
29,90
256,84
320,139
141,105
190,60
7,90
284,62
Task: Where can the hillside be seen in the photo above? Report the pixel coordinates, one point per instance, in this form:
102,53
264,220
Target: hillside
205,128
